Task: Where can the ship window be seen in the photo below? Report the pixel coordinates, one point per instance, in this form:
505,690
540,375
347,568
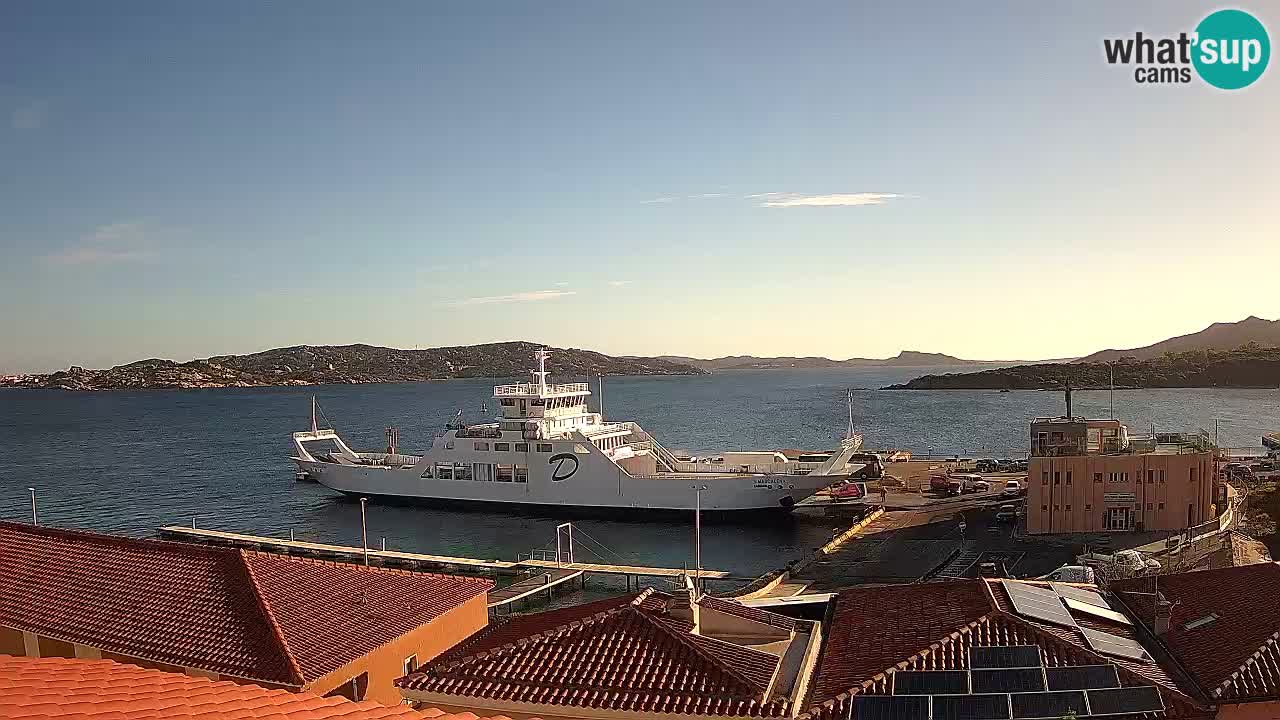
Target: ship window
522,473
502,447
508,402
505,473
522,447
461,472
537,402
429,472
544,447
482,446
444,471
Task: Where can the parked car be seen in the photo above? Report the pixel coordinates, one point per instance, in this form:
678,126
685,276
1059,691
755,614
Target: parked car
1071,573
981,486
1012,488
985,466
1007,514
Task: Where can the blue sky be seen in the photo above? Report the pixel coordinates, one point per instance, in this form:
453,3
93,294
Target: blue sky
841,179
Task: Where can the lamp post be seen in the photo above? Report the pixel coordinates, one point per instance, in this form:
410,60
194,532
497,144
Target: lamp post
35,518
697,536
364,531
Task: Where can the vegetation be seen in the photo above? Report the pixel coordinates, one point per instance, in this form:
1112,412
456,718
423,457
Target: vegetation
1248,366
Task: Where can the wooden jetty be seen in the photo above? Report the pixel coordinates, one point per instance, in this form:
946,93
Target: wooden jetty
537,584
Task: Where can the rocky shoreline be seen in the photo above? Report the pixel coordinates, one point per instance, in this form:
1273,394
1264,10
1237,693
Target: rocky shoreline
345,365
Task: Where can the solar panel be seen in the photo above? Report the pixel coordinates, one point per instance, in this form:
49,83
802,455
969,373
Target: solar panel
970,707
1081,594
1109,644
1047,704
1119,701
885,707
930,682
1082,677
1096,611
1003,681
1039,603
1004,657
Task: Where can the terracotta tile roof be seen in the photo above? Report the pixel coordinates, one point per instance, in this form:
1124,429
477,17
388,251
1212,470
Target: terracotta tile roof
629,656
782,622
878,631
251,615
1233,657
64,689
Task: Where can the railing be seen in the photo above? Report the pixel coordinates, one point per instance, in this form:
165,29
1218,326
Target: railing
536,389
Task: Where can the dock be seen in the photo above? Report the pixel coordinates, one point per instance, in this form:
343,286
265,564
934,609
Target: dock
544,582
425,561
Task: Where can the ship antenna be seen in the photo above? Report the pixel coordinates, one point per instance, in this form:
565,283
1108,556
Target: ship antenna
542,356
313,415
849,397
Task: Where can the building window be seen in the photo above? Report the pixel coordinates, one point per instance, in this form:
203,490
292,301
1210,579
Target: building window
1068,477
482,446
410,664
522,447
1068,508
1044,478
1088,506
1057,477
1056,507
1044,508
502,447
1193,474
1149,506
1097,477
1161,506
544,447
1162,476
1151,475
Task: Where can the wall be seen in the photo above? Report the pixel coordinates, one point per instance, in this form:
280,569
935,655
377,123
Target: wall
1250,711
386,664
1073,501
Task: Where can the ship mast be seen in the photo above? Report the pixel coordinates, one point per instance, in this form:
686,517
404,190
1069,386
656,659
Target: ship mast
541,374
849,397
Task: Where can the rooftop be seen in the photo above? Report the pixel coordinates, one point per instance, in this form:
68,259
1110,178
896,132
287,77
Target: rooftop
66,689
258,616
1224,626
636,653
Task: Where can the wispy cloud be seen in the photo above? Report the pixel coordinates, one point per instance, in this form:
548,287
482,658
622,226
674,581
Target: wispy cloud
793,200
30,116
665,199
117,242
562,284
674,198
530,296
619,283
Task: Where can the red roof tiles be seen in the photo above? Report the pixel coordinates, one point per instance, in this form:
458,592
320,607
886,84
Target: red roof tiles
629,656
1233,657
64,689
263,617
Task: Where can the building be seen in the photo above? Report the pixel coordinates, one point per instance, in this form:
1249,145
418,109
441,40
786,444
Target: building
225,614
647,655
991,649
76,689
1221,626
1092,476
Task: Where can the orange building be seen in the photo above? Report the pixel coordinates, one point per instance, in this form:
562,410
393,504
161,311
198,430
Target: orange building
1091,476
224,614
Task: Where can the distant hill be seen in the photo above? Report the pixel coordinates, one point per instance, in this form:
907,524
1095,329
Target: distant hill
906,358
1218,336
1246,367
347,364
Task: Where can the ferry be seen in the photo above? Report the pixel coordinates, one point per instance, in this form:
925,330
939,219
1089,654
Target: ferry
547,450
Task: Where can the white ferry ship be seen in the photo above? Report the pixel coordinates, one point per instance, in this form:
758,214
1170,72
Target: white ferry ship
547,449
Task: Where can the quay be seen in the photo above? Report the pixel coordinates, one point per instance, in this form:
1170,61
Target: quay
437,562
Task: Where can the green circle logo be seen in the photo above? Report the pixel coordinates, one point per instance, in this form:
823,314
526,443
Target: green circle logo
1231,49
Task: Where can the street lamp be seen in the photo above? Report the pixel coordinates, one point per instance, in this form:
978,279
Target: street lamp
697,535
364,531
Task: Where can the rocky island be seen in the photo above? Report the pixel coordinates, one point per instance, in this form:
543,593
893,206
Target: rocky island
346,364
1245,367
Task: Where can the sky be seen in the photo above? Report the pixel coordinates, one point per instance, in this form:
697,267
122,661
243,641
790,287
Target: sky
843,179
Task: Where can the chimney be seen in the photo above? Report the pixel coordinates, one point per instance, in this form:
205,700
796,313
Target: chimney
1069,416
1164,611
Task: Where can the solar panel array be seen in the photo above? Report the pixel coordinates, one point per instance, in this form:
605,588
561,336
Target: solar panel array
1080,594
1039,603
1109,644
1105,613
1010,683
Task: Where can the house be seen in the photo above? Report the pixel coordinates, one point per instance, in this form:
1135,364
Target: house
225,614
637,656
991,649
76,689
1222,627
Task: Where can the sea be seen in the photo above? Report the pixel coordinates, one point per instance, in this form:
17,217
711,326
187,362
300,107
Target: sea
132,461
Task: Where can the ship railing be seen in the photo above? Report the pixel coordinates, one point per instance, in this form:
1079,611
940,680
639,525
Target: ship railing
390,459
536,389
791,468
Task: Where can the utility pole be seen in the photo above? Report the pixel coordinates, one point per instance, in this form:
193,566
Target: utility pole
364,531
35,517
697,536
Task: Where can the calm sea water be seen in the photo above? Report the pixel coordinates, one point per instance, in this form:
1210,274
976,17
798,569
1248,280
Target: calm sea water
131,462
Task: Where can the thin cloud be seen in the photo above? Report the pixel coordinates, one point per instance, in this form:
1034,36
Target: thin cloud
652,201
792,200
117,242
619,283
530,296
562,284
30,116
